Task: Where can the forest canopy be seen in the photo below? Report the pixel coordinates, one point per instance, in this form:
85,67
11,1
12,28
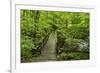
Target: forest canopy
68,31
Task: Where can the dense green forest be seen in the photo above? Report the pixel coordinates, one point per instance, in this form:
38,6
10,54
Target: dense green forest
54,35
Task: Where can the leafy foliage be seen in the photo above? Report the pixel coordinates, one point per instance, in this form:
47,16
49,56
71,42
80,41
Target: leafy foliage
72,33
